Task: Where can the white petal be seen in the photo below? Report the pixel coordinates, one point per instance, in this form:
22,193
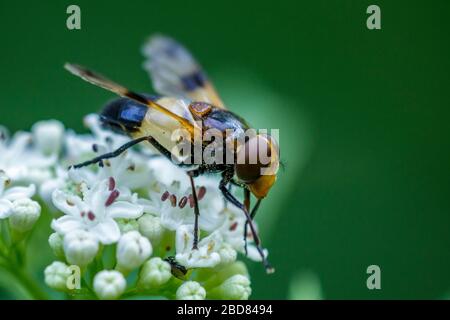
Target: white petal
206,256
211,213
60,199
174,217
150,206
198,259
38,161
122,209
184,238
18,144
125,194
19,192
253,254
66,224
48,187
166,172
82,175
106,231
5,208
78,147
97,196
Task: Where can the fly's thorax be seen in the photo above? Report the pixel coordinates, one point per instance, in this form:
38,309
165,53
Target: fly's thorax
223,120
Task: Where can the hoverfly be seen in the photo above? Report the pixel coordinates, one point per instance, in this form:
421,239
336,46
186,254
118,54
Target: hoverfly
190,102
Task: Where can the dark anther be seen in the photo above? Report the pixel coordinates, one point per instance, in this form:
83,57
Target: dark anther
182,202
112,184
233,226
173,200
201,193
191,201
91,216
165,195
112,197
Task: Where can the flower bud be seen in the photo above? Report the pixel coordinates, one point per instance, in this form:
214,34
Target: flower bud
48,136
25,213
48,186
80,247
227,254
154,273
56,243
151,228
126,225
56,275
236,287
109,285
191,290
132,250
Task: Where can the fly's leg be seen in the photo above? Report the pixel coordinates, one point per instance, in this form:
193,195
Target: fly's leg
114,153
192,174
230,197
252,215
166,153
247,207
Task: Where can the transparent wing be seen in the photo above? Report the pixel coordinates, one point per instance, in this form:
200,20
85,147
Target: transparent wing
175,72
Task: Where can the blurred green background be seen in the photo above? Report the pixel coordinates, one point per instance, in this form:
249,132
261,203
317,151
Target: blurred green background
363,118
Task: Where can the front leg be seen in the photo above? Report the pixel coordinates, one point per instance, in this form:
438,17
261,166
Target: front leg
114,153
230,197
166,153
247,198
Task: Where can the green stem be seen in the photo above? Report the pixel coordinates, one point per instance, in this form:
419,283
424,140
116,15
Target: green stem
14,263
27,282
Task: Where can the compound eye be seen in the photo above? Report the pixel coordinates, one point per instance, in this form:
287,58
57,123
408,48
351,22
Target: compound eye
248,172
254,155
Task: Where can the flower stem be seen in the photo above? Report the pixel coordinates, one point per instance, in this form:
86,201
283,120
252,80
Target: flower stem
27,282
13,259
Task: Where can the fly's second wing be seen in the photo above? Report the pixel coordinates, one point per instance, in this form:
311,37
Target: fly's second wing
175,72
167,130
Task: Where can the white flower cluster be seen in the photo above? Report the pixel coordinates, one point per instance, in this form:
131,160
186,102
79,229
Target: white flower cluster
21,168
130,216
